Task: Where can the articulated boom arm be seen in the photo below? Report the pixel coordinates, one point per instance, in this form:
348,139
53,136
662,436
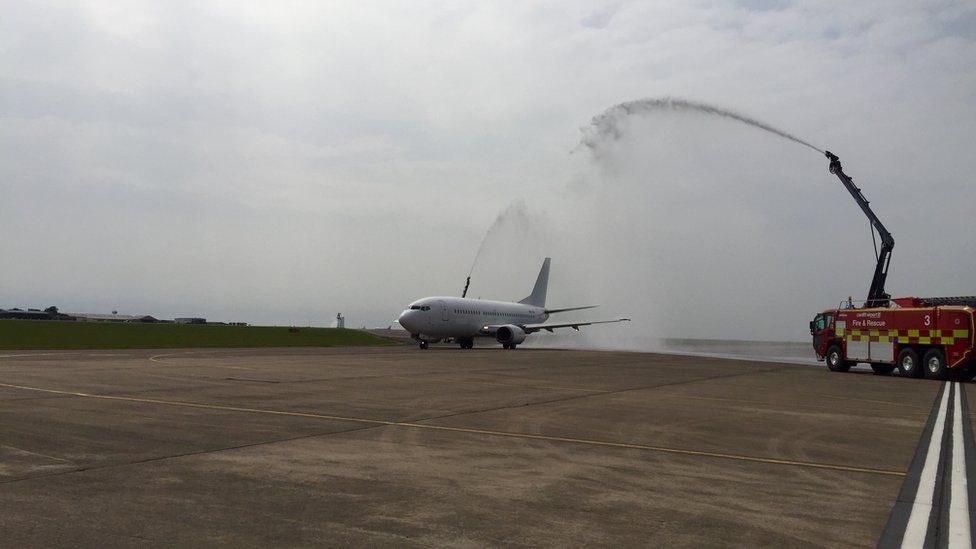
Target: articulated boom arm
877,297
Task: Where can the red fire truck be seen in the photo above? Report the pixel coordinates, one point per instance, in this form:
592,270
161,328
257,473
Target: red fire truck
930,337
913,334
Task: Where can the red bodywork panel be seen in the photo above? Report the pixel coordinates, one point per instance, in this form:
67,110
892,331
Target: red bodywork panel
877,335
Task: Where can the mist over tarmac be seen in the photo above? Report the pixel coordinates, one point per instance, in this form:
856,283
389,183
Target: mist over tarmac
281,163
697,226
678,224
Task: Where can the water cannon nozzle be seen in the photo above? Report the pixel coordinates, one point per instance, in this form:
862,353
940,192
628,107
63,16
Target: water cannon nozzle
834,162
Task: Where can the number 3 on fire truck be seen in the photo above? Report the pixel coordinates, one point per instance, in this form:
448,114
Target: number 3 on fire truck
928,320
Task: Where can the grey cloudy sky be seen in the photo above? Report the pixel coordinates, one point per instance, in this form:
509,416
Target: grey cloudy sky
280,162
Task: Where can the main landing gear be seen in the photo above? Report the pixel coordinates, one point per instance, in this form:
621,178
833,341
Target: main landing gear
466,342
508,346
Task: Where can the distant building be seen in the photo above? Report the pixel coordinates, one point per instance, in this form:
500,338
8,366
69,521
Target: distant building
144,319
24,315
190,320
98,317
51,313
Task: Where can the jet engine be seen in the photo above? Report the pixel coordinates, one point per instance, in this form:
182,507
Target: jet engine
510,334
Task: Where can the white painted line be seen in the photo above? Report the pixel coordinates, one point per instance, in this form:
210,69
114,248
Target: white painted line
959,536
918,520
34,354
22,451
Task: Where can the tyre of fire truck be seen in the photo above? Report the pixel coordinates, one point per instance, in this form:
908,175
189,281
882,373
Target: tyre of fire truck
883,369
935,364
908,363
835,359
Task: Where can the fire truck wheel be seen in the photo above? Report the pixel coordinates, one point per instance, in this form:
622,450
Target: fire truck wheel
908,364
883,369
835,360
935,364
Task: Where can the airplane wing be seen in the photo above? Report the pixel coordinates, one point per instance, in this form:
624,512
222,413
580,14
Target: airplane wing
532,328
551,311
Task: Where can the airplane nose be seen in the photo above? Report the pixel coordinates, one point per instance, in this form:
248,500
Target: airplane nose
407,320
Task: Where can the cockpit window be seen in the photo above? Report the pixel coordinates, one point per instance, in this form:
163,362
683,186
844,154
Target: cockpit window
415,307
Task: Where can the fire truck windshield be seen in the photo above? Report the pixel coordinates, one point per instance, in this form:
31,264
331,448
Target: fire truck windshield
818,324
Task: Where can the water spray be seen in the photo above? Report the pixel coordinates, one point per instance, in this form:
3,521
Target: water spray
517,211
477,254
607,124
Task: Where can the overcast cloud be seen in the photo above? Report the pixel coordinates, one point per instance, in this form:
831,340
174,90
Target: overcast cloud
281,162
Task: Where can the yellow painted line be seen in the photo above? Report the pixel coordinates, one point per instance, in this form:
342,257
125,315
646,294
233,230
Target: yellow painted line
231,367
198,405
658,449
811,406
159,359
507,434
500,384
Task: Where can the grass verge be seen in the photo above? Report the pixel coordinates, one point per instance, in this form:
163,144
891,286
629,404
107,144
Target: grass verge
44,334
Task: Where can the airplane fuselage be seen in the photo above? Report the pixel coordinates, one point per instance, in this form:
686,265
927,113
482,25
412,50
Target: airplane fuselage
433,318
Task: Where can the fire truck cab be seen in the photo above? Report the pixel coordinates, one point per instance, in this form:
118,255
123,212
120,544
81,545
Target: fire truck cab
918,338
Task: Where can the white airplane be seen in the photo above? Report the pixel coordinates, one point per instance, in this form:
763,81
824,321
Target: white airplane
432,319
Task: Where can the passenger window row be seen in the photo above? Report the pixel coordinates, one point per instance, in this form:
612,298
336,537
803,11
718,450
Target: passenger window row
492,313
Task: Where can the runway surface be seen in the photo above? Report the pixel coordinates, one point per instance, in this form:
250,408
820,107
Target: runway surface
250,448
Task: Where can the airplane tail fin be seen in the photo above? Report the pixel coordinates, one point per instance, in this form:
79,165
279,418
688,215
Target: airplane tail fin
538,296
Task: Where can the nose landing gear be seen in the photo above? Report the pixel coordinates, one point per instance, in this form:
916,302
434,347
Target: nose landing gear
423,342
